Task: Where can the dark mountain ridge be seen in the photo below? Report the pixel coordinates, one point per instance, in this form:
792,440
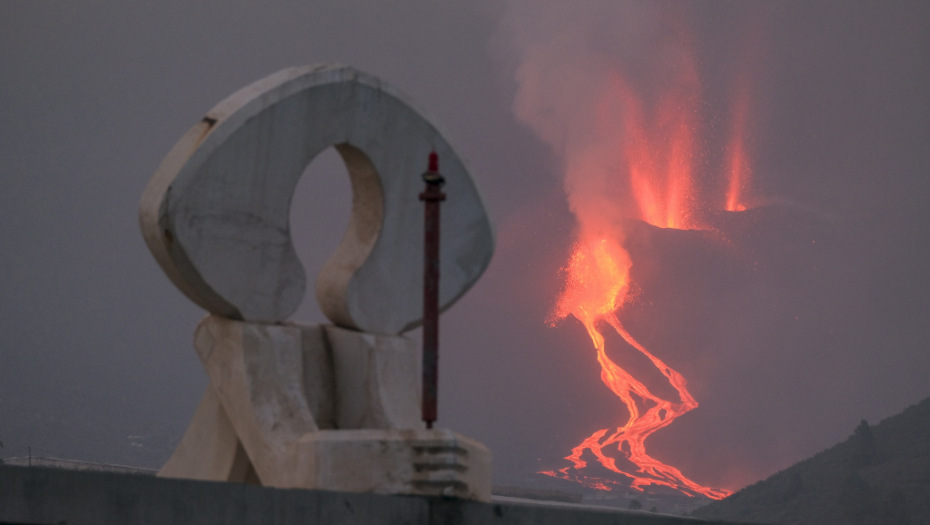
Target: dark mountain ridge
879,475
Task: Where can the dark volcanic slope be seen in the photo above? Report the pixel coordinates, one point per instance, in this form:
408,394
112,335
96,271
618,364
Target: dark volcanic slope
880,475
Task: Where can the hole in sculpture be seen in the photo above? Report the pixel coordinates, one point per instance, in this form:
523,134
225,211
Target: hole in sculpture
320,212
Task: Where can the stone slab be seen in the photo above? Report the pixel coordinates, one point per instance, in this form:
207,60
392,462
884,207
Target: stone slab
258,373
378,380
209,449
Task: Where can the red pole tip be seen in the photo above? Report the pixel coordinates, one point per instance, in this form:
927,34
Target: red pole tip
433,161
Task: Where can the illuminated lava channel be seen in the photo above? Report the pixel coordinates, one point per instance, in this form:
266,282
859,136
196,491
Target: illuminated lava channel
597,286
630,145
657,154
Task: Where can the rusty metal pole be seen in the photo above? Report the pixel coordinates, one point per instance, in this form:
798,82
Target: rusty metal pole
432,196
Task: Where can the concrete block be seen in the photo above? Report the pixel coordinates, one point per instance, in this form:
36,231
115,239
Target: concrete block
258,373
209,450
378,380
216,213
272,384
318,381
423,462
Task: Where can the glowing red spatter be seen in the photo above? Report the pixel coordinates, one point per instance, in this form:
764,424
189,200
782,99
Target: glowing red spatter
737,158
739,165
659,154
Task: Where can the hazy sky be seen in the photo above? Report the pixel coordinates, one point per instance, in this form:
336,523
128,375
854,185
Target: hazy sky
793,323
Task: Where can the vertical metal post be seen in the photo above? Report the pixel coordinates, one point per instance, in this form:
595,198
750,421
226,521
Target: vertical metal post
432,196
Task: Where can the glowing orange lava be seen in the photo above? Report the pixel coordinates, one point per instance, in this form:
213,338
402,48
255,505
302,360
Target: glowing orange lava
597,286
738,160
655,150
659,157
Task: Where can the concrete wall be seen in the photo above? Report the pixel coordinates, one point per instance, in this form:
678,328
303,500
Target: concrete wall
35,495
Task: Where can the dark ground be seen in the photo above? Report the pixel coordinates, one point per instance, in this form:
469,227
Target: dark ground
880,476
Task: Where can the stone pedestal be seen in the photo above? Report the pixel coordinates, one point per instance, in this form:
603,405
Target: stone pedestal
433,462
321,407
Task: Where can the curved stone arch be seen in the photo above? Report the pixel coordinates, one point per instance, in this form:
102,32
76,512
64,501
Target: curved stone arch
216,213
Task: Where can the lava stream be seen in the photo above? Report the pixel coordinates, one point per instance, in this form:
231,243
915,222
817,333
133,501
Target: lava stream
631,132
597,286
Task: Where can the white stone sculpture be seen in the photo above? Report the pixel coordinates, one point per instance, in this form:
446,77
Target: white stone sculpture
335,407
215,214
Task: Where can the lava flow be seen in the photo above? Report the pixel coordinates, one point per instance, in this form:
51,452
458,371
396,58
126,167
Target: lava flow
597,286
653,156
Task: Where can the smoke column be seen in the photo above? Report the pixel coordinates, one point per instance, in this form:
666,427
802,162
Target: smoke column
614,88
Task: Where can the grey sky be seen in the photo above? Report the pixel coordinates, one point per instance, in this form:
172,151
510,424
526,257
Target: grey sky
95,343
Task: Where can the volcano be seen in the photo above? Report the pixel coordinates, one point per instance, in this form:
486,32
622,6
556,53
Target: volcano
685,292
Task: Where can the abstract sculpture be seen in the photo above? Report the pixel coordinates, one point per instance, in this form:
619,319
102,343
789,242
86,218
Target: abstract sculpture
332,406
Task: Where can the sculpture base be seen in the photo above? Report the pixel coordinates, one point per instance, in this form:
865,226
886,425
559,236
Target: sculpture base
320,407
421,462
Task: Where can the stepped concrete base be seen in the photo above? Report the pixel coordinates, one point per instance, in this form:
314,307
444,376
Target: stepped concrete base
418,462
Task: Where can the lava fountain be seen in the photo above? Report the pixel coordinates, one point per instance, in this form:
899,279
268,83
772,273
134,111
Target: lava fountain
616,90
651,156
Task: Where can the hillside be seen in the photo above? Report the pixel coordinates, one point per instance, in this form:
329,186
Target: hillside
880,475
